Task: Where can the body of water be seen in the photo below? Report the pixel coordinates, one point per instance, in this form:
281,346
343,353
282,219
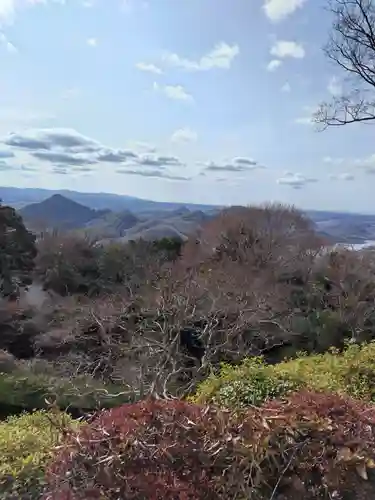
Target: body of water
356,246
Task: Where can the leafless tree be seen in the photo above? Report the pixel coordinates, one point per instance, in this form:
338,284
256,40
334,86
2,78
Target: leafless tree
253,283
351,47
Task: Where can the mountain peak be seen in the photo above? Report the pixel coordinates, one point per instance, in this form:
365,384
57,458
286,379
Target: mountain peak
58,211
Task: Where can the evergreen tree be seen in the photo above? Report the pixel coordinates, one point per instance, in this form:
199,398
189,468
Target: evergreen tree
17,251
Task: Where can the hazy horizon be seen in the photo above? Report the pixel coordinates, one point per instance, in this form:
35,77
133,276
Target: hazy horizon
181,201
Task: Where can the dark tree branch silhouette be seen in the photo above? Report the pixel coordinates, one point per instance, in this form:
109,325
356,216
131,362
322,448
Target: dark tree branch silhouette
351,47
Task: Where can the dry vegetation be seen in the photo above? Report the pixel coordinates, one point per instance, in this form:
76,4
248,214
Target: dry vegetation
148,324
179,451
256,281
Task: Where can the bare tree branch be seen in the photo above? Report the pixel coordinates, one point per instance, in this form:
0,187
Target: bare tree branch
351,47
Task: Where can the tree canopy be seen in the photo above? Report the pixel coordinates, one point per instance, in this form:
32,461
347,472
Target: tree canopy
17,251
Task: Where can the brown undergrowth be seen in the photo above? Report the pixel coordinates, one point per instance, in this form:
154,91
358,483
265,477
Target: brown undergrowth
312,445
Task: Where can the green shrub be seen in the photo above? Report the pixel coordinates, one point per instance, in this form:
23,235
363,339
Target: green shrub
351,372
30,391
26,444
250,383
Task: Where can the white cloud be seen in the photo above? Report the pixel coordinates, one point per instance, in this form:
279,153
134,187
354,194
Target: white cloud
153,173
158,161
175,92
93,42
333,161
7,10
63,151
237,164
149,68
334,87
66,147
285,48
221,56
274,64
286,87
6,43
50,138
277,10
366,165
11,48
184,135
295,180
344,176
370,160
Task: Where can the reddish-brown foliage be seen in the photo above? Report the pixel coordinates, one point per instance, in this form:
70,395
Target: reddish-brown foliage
241,258
257,236
333,443
154,449
309,446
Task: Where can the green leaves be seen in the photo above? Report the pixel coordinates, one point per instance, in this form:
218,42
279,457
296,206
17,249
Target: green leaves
253,382
26,446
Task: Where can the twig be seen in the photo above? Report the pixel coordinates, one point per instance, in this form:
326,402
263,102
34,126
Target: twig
284,472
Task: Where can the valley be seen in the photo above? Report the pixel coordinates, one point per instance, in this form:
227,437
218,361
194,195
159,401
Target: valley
105,217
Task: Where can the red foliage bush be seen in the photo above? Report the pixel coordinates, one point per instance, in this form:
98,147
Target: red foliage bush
151,450
309,446
331,442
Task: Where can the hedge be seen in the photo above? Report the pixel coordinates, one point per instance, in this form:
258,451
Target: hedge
351,372
30,391
26,445
307,447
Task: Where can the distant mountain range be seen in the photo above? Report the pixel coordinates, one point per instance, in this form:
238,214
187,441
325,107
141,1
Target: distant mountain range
20,197
60,212
104,216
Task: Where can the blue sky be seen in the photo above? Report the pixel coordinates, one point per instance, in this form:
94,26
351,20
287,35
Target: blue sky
204,101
